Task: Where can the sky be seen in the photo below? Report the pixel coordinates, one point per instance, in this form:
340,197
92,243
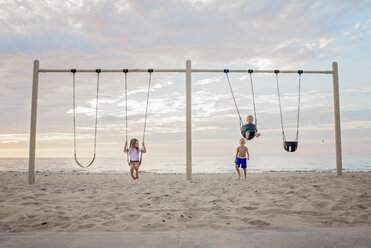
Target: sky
239,34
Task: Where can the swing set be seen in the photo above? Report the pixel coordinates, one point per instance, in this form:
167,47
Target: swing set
98,71
289,146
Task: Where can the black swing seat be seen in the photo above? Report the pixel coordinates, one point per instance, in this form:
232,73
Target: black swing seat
250,129
250,137
290,146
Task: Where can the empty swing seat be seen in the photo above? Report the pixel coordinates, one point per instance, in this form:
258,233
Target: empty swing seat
290,146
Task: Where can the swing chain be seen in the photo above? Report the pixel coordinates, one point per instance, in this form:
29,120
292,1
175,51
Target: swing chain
226,71
250,71
98,71
126,111
297,124
145,116
74,114
279,101
148,90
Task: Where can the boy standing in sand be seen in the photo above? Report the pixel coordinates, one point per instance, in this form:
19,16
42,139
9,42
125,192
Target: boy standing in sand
242,155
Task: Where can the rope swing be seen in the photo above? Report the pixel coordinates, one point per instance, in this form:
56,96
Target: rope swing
226,71
145,116
98,71
253,96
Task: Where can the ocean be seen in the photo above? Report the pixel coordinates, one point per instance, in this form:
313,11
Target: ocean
200,165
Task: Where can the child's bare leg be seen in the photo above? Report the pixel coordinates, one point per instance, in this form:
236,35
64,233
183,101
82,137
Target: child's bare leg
238,171
244,172
132,171
136,171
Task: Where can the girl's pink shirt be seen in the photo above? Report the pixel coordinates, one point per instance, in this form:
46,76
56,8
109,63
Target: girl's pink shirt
134,155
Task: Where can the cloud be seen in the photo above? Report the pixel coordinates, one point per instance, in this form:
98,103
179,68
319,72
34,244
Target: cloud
17,137
360,90
134,34
345,125
207,81
324,42
108,24
360,30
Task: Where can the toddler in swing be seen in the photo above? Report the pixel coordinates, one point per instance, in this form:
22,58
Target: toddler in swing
134,152
249,130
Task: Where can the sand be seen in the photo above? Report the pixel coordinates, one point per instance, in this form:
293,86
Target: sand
167,202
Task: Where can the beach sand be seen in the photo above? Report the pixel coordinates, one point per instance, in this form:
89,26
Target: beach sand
167,202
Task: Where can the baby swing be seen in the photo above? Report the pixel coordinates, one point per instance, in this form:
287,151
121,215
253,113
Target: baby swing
289,146
247,127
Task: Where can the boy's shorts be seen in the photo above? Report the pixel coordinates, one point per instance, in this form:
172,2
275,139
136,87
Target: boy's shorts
241,162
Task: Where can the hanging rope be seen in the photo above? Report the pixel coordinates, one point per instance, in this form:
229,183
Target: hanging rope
297,124
226,71
74,119
253,96
279,101
146,114
126,111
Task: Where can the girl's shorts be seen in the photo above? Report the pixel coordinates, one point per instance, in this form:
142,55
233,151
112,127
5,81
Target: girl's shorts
134,163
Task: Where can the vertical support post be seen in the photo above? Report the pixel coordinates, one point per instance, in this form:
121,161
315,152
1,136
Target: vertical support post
335,81
188,120
31,157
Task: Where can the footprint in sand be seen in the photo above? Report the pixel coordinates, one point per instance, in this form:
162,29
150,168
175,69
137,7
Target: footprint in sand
250,208
256,222
131,217
21,218
110,222
86,226
64,218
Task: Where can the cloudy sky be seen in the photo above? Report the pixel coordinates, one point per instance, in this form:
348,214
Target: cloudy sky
237,34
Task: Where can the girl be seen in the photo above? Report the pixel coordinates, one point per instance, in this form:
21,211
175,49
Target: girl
134,152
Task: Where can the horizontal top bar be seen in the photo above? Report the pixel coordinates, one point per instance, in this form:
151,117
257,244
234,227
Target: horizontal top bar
261,71
112,70
181,70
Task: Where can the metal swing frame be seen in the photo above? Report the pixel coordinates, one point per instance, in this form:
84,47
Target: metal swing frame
188,85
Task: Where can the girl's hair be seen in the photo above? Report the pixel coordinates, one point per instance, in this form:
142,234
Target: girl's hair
132,144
